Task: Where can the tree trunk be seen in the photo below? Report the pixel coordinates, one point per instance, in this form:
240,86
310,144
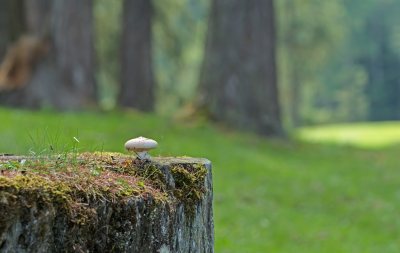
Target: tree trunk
238,83
11,23
62,74
137,81
4,26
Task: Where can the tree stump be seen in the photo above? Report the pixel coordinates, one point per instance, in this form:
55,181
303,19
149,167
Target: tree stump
105,202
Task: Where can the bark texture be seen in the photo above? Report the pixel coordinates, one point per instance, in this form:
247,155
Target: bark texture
4,27
238,83
29,223
137,81
4,38
63,77
12,23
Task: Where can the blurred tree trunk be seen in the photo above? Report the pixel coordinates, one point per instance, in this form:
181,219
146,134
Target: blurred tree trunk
238,83
137,81
62,63
4,26
12,23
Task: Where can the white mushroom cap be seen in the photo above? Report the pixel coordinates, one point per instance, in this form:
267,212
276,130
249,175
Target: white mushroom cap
141,145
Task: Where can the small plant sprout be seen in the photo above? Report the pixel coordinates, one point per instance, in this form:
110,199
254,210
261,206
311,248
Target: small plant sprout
140,146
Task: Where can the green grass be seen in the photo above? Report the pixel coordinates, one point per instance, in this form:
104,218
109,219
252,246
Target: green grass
364,135
269,195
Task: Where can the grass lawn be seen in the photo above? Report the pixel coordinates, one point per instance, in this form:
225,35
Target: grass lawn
270,195
364,135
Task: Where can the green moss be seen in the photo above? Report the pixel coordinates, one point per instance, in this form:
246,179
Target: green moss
189,184
152,173
40,189
74,183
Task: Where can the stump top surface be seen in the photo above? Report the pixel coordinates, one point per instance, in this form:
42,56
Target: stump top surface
158,159
109,176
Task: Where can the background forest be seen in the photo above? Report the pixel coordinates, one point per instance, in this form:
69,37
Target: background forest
337,61
284,97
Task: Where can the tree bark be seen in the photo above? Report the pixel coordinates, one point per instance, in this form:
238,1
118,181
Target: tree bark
12,23
238,83
137,81
63,77
4,27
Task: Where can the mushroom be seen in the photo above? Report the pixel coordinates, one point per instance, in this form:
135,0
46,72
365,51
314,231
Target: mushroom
140,146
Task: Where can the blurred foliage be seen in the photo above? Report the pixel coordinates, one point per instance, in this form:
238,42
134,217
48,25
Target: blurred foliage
107,15
179,33
381,59
338,60
179,28
309,32
350,71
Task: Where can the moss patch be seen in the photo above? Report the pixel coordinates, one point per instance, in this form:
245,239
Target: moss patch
189,183
73,182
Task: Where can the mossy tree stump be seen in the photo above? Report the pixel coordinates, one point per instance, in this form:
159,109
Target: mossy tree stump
105,202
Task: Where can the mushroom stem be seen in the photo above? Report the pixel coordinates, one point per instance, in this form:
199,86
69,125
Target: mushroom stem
143,155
